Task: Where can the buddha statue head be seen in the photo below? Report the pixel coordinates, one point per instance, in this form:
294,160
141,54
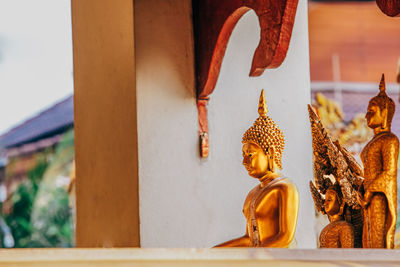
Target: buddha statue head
380,109
334,204
263,144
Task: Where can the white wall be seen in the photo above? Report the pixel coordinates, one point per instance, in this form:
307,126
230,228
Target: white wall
186,201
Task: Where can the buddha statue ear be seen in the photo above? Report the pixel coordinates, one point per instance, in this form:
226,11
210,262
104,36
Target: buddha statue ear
341,209
385,118
271,158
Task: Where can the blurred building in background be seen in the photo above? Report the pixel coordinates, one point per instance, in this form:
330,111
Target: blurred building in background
351,44
352,39
37,160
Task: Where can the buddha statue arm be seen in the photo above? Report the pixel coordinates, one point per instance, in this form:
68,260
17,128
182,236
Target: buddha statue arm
288,210
390,153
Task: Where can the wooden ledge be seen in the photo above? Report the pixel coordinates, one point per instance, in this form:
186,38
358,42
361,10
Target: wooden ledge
197,257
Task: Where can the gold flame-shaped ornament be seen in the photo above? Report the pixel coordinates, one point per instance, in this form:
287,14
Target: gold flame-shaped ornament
262,106
266,133
382,86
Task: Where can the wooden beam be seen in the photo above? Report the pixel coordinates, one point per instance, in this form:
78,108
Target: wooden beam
214,22
105,123
389,7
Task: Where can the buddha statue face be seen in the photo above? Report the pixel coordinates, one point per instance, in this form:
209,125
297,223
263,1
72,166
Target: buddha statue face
332,202
256,161
380,109
376,117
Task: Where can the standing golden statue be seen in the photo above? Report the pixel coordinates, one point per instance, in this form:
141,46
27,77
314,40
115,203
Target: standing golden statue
271,207
379,157
339,199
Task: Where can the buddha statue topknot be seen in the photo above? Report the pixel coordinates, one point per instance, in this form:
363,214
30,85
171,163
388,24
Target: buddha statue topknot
271,208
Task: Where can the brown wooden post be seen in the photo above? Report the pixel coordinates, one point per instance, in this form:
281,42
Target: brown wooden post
105,123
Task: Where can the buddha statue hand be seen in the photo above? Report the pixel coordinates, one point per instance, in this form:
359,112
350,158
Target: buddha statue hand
363,200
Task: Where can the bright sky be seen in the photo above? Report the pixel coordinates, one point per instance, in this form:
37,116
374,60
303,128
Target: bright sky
35,57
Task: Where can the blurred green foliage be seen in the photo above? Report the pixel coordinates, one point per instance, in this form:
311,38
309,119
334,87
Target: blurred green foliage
41,215
52,227
22,199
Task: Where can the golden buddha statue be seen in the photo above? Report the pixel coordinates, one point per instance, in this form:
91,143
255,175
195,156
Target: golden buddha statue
271,207
378,196
339,233
329,111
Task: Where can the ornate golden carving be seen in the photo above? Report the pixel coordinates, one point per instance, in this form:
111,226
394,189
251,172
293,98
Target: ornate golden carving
379,157
270,208
331,160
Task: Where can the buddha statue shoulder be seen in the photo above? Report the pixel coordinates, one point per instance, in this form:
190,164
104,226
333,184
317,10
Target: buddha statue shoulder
271,208
378,195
